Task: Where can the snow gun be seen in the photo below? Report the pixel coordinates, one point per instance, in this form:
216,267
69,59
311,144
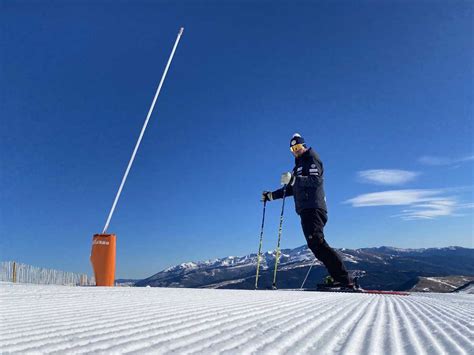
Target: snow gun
104,245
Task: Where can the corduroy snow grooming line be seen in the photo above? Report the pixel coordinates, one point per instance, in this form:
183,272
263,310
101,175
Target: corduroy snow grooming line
103,254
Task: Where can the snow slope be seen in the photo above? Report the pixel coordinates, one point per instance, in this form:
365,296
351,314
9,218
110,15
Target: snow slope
48,319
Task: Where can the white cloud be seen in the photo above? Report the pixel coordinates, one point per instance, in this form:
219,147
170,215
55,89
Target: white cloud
430,209
387,176
439,161
422,203
392,198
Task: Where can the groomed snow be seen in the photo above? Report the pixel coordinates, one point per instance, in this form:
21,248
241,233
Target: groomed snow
47,319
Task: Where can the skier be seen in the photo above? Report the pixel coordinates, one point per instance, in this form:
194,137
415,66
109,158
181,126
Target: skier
305,184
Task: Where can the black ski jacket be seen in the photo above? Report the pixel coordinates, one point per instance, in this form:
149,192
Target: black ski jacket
307,188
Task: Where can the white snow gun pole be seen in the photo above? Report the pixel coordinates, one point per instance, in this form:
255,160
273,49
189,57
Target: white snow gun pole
277,256
143,131
260,245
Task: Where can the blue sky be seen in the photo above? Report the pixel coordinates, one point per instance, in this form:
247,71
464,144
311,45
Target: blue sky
382,90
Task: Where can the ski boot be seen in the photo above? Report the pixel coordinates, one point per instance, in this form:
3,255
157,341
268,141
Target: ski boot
330,284
355,276
329,281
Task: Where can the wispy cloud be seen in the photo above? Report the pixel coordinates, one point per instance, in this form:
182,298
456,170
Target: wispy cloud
422,203
392,198
387,176
430,209
439,161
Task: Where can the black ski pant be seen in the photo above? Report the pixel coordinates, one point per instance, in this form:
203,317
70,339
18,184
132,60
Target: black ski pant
313,221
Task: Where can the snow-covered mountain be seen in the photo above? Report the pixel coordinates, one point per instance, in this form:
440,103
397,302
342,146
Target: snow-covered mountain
386,267
442,284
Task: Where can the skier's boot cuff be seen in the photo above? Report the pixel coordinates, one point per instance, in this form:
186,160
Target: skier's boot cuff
328,280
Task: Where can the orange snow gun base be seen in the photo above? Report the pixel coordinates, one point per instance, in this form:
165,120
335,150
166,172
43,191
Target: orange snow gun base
103,259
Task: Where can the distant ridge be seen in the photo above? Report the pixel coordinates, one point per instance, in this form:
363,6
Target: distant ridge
386,267
467,288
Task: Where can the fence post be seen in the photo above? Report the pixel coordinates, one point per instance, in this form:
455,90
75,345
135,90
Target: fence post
14,271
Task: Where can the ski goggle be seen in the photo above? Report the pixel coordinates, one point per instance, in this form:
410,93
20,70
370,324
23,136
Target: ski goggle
296,147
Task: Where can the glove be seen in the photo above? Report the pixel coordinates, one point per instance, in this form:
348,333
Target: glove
287,179
266,196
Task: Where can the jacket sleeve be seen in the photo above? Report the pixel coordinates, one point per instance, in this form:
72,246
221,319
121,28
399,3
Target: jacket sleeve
279,193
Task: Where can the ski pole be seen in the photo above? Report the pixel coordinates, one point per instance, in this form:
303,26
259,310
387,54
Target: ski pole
277,256
260,245
307,274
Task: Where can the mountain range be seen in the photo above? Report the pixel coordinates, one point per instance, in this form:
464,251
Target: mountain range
386,268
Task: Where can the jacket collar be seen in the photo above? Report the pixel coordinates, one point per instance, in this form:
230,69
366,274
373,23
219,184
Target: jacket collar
304,155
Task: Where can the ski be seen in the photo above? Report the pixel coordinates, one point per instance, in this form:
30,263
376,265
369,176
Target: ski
325,288
344,290
381,292
355,275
